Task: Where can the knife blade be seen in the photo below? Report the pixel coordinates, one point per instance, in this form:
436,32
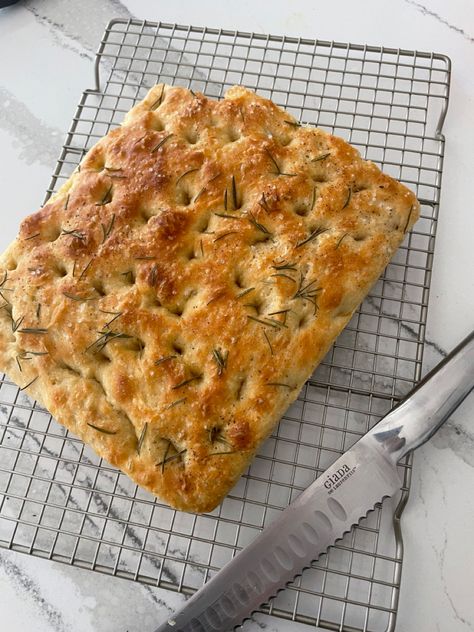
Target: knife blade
330,506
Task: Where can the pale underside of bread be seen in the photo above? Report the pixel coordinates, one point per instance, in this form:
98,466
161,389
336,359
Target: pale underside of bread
168,304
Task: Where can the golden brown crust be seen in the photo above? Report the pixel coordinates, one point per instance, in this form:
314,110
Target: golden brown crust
173,297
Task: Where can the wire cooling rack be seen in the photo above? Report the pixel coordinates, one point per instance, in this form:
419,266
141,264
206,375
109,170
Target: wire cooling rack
60,501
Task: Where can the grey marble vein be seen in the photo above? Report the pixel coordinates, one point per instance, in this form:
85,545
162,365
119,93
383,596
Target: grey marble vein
80,22
32,591
457,438
39,143
425,11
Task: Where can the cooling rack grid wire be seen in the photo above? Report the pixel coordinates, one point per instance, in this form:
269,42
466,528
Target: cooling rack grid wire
58,500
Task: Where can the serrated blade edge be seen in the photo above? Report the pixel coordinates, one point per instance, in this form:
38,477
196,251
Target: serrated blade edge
319,517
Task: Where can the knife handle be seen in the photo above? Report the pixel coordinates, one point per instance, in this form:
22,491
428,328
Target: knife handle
429,404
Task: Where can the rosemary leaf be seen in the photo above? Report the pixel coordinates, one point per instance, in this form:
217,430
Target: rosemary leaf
311,237
220,359
183,175
33,330
269,323
257,225
408,219
141,438
340,240
268,341
284,266
107,197
348,199
107,229
175,403
23,388
161,143
221,236
187,381
66,203
321,157
285,276
234,194
79,299
293,123
244,292
32,236
103,430
81,276
165,359
282,384
156,104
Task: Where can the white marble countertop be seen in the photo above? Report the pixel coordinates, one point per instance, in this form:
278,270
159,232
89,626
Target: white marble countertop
46,51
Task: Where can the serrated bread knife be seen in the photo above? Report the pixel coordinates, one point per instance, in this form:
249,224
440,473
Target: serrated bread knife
336,501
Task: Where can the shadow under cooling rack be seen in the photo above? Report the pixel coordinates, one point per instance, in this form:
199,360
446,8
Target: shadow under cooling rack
58,500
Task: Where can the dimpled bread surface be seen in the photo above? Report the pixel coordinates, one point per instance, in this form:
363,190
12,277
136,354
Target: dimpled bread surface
169,302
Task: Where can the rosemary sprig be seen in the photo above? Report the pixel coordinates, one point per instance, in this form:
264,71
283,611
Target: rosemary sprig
257,225
215,436
202,248
38,311
33,330
161,143
339,241
106,198
156,104
220,359
225,199
263,203
270,323
16,323
223,452
79,299
114,314
77,234
235,200
348,199
21,356
268,341
321,157
106,337
284,265
307,292
284,276
318,231
81,276
227,216
165,359
167,459
244,292
141,438
187,381
175,403
282,384
277,166
103,430
183,175
32,236
23,388
408,219
5,278
222,235
153,276
144,258
66,203
107,228
198,195
128,275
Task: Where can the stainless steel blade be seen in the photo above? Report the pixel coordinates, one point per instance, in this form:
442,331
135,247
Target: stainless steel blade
314,521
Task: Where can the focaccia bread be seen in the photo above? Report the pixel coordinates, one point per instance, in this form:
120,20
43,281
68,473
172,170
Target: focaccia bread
168,304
